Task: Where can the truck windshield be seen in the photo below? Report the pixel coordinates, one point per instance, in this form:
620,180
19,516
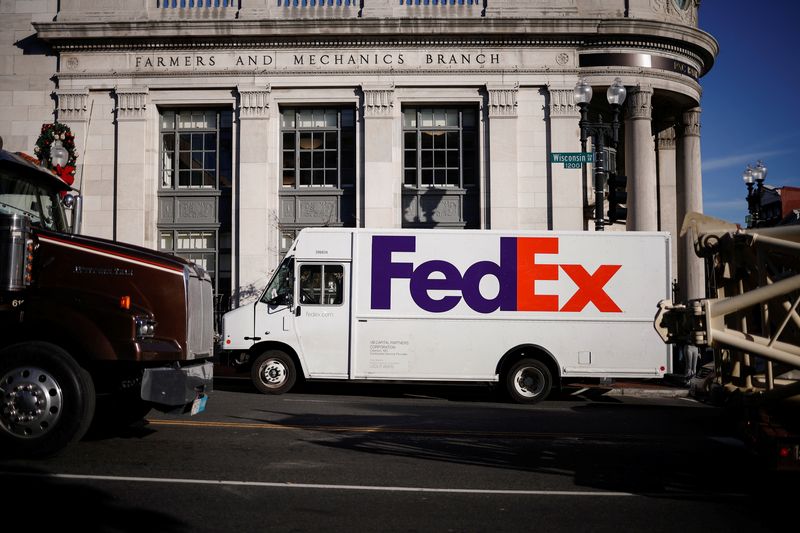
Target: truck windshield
40,204
281,286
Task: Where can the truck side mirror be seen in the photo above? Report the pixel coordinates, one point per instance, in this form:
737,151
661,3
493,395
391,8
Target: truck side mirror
74,202
281,299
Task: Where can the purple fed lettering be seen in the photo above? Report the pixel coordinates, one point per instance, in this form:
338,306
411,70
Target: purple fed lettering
506,274
383,270
421,283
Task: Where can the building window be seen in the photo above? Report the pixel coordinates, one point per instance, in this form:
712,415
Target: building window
440,167
318,169
441,2
440,147
181,4
190,144
199,247
194,197
318,148
317,3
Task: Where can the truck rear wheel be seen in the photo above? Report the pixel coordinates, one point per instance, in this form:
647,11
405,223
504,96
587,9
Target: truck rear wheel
273,372
529,381
46,399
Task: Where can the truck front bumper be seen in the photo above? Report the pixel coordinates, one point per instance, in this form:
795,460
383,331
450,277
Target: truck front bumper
176,386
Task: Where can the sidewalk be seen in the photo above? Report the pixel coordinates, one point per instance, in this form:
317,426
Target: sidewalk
669,387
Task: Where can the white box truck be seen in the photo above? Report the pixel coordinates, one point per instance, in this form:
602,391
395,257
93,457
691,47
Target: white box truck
526,309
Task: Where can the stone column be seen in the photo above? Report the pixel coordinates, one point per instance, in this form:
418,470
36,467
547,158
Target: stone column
382,170
256,197
567,190
691,270
640,161
72,111
134,190
503,179
667,193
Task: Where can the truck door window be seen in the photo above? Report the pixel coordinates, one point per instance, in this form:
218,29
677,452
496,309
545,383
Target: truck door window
281,286
321,284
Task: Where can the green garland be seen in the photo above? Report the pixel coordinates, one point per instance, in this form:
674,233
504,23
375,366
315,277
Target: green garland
51,132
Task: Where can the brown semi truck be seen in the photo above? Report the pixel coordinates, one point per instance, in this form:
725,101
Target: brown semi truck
90,329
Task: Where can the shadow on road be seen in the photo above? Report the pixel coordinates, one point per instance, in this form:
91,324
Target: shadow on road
72,504
678,451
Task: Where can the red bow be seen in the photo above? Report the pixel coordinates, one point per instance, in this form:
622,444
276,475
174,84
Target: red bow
67,175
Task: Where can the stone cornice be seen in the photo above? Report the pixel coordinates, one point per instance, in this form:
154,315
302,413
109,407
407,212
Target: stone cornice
131,102
502,100
666,139
638,105
690,123
378,101
72,104
582,32
562,103
253,102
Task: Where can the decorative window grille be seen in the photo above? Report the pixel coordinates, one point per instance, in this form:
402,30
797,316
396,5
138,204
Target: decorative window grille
183,4
315,3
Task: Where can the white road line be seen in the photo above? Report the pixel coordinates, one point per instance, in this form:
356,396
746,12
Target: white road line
288,485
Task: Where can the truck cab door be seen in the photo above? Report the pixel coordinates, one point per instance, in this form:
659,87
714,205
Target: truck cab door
322,318
273,316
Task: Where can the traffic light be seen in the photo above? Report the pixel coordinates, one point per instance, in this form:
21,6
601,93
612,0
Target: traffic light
617,197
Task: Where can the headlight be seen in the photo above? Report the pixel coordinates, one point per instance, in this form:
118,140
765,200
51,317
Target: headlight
145,327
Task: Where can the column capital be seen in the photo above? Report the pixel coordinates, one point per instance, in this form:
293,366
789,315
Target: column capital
378,101
131,102
666,139
562,102
253,101
502,100
690,122
639,103
72,104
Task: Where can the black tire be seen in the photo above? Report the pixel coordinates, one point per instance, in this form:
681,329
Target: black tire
528,381
47,400
273,372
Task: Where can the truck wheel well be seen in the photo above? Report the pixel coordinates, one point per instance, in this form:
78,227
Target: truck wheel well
529,351
258,349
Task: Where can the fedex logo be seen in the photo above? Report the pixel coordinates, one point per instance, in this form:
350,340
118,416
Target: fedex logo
517,273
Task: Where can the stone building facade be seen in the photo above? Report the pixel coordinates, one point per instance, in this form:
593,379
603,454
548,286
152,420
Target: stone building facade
216,129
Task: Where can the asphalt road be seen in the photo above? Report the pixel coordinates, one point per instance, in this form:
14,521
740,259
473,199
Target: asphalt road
392,458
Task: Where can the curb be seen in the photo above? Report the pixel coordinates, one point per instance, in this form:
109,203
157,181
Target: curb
649,393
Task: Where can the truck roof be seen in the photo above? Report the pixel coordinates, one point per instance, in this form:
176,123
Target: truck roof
20,166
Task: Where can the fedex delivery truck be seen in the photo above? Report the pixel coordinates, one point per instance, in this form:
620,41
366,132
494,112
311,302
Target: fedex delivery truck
526,309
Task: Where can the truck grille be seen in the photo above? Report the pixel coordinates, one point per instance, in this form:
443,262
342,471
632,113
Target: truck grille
201,316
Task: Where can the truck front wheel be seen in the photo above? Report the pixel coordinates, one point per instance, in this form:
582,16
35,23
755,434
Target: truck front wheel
529,381
46,399
273,372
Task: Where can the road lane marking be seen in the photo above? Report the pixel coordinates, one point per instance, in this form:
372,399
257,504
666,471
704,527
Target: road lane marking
423,431
379,429
289,485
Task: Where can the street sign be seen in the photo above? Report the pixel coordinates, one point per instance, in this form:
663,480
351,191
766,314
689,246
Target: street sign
572,159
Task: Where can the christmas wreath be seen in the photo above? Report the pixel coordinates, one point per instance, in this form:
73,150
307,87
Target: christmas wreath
57,132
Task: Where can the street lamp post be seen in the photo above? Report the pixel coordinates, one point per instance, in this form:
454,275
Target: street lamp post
755,176
599,132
